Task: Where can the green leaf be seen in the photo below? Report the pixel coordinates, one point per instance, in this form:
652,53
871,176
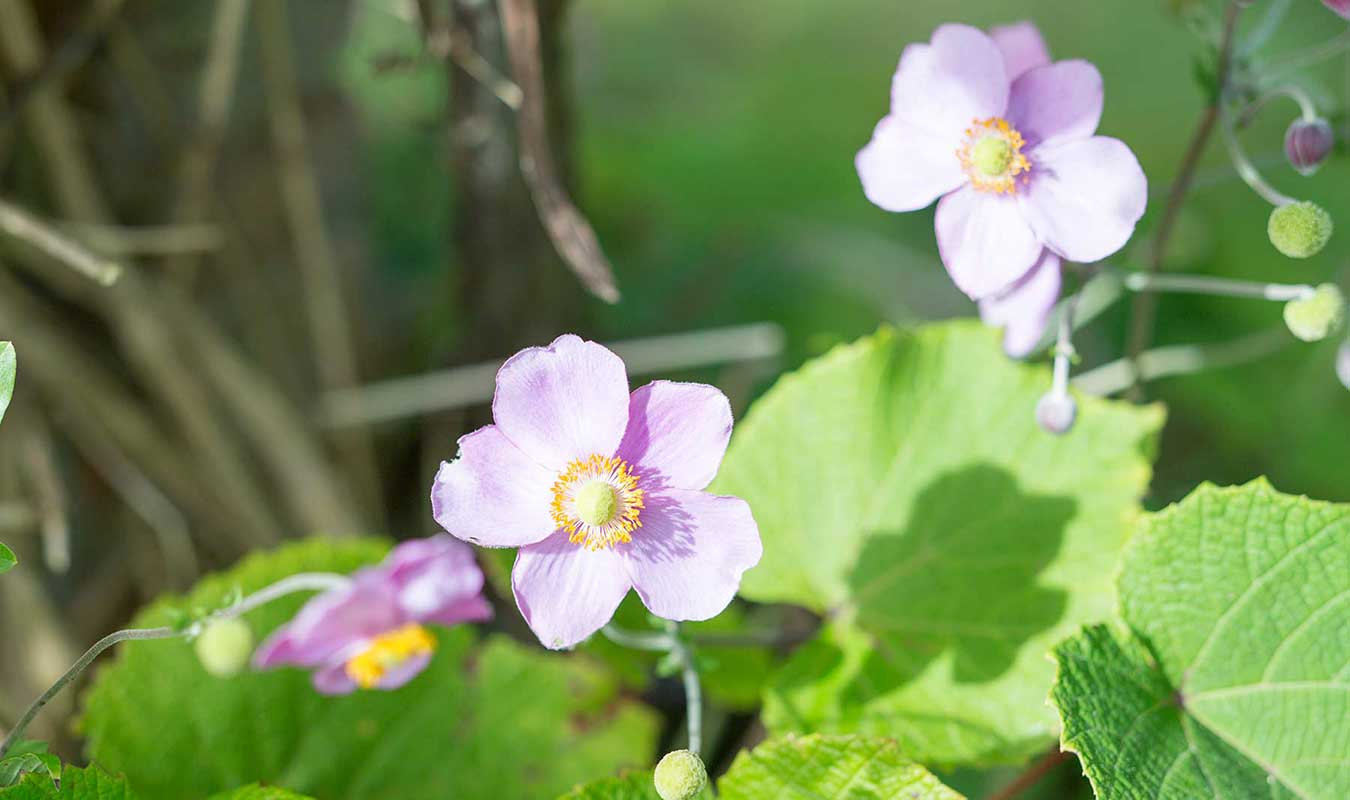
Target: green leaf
28,758
815,766
7,559
904,490
76,784
9,366
487,719
1236,682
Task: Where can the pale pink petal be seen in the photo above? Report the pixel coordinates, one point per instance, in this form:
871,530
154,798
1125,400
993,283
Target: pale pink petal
688,557
493,494
943,86
1057,102
1341,7
468,609
985,243
1023,310
400,675
566,592
906,167
330,624
1084,197
677,434
562,402
333,680
1022,47
437,580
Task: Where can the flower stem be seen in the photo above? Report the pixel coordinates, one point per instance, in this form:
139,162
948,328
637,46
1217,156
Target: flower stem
1246,169
1033,774
693,690
1310,55
309,581
1161,362
1223,287
655,642
1145,305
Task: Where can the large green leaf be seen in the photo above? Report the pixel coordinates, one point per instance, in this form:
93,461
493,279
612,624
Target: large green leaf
1238,681
815,767
95,784
904,490
9,366
491,719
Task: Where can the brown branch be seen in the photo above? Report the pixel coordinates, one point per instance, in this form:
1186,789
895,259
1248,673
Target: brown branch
567,227
1033,774
1144,307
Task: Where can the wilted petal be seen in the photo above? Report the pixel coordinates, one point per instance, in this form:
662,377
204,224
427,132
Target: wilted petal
1057,102
562,402
688,557
906,167
1023,310
944,85
984,241
1084,197
566,592
1022,47
493,494
677,434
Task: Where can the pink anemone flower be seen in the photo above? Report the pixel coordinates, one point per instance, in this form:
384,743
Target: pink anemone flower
601,490
1005,140
369,633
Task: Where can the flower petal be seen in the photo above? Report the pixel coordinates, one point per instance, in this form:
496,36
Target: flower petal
677,434
1024,310
493,494
562,402
906,168
566,592
1084,197
944,85
400,675
1022,47
432,577
985,243
332,679
330,624
1057,102
688,557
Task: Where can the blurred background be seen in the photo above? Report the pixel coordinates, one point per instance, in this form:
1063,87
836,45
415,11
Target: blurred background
327,244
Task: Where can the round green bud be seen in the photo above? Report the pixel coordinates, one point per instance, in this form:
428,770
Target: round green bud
1299,230
224,647
1316,317
680,776
992,155
595,503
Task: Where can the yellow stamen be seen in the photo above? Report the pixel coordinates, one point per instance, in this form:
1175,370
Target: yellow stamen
597,501
387,652
992,158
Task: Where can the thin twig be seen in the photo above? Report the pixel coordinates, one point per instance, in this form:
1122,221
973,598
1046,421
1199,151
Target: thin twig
1144,309
1120,375
444,40
25,227
49,491
147,240
1033,774
567,227
473,384
68,57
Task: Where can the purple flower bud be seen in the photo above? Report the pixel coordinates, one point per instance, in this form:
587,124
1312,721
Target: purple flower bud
1056,412
1341,7
1343,364
1307,143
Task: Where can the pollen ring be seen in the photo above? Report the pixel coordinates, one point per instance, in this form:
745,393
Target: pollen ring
597,501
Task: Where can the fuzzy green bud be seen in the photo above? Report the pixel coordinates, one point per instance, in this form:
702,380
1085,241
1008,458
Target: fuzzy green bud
1299,230
1316,317
224,647
680,776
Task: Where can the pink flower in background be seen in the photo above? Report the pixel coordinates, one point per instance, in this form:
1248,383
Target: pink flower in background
1341,7
369,633
1006,140
601,491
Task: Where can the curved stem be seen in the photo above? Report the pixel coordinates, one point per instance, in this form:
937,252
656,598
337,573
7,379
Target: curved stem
1246,169
1311,55
1224,287
655,642
693,691
308,581
1307,108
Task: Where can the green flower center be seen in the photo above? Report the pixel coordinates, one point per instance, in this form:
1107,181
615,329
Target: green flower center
992,155
595,503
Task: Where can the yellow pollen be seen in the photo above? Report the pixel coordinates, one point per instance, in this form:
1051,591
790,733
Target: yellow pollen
991,156
387,652
597,501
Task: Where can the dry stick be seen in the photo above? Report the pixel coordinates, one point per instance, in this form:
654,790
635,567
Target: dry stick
69,56
128,307
1144,308
213,108
49,491
1033,774
567,227
330,326
27,228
